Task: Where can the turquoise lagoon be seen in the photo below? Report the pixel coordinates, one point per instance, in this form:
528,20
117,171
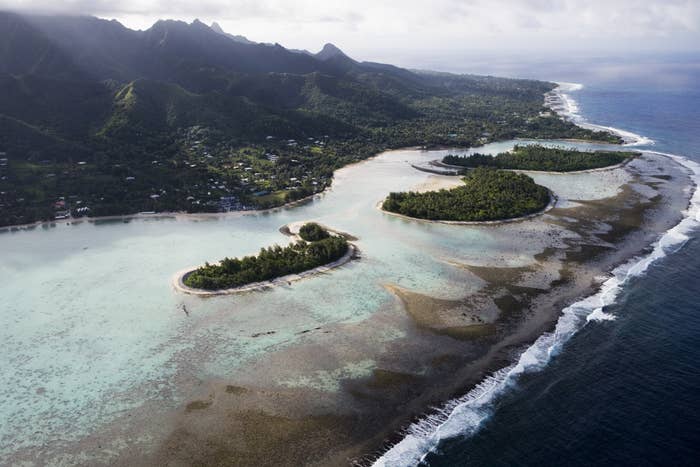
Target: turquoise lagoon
92,329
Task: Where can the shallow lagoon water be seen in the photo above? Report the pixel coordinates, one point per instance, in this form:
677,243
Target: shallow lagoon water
91,327
622,392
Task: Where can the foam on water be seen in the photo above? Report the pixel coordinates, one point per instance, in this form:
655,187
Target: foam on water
571,108
571,111
92,331
464,416
631,139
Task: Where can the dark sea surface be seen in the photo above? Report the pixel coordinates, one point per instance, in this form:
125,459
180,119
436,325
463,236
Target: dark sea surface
626,391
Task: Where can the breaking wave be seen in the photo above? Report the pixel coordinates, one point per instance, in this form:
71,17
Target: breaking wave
464,416
570,110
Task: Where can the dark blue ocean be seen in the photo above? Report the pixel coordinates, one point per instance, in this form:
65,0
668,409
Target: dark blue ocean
622,392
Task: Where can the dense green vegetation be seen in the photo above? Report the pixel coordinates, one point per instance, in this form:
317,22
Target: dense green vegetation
487,194
537,157
269,264
312,232
97,119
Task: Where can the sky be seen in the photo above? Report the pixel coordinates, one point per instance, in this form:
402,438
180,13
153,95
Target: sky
414,32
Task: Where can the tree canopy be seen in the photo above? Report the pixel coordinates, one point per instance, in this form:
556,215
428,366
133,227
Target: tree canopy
270,263
538,157
487,194
312,232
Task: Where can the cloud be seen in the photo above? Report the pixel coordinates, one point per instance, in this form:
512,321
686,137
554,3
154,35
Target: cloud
383,26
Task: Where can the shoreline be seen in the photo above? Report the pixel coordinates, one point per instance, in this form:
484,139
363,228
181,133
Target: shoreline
570,112
163,215
252,212
553,199
573,140
183,214
203,215
179,278
416,439
255,412
369,416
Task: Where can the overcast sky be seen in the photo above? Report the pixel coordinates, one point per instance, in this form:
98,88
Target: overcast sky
410,32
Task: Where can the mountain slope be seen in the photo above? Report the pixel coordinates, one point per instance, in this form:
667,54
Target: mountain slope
184,117
108,50
238,38
26,50
148,108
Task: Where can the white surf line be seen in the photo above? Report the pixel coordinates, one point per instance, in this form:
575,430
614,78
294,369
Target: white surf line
571,108
464,416
571,112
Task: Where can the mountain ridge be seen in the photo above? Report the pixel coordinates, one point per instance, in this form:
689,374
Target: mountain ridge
126,121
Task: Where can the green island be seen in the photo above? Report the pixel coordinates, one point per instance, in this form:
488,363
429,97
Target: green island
312,232
186,119
487,195
271,263
541,158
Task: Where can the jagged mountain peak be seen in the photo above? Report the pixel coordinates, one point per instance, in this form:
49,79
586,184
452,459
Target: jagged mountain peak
216,27
331,51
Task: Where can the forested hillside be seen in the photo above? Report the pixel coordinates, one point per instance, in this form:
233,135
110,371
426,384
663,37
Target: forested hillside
100,119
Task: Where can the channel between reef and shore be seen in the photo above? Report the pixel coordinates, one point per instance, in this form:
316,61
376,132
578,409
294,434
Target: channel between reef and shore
164,215
256,413
468,411
629,138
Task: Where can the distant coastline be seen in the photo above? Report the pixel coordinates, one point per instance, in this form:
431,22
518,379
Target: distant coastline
568,109
418,438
